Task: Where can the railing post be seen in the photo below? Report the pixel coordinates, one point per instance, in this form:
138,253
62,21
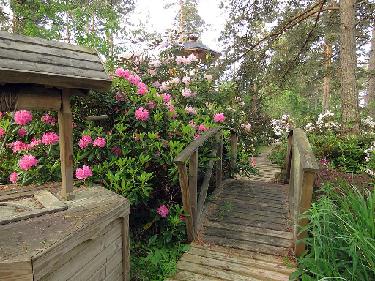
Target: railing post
193,185
304,204
219,162
184,184
233,153
288,158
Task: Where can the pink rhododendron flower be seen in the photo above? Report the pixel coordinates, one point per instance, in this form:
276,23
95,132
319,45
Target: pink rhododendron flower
50,138
23,117
120,72
83,173
2,132
186,80
197,136
151,105
134,79
202,128
180,59
84,141
27,162
48,119
142,88
34,143
142,114
156,84
186,93
13,177
18,146
166,97
175,80
163,211
219,117
164,86
1,114
191,110
99,142
192,58
22,132
246,126
253,162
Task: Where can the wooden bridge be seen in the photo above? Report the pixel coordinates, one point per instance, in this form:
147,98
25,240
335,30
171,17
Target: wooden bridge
248,228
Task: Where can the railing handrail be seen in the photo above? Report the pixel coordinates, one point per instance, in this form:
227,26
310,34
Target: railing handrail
301,169
193,202
185,154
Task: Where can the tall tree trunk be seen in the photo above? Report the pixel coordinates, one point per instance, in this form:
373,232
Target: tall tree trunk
327,76
371,79
348,63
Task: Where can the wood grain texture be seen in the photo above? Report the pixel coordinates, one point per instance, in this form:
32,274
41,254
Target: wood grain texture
37,61
65,119
18,271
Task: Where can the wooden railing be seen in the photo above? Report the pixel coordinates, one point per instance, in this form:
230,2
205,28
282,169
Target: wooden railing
301,169
193,202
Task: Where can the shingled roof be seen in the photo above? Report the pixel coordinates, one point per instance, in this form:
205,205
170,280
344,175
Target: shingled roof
52,63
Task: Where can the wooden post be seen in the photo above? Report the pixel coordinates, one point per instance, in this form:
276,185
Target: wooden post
193,186
304,204
219,163
66,144
233,153
288,158
184,184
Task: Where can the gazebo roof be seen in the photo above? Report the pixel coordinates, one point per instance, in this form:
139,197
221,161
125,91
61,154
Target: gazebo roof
51,63
195,45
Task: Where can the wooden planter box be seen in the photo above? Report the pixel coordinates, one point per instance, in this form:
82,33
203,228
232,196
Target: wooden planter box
83,239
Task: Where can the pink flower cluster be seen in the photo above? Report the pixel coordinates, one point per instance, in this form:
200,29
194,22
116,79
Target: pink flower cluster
18,146
2,132
83,173
202,128
22,132
13,178
50,138
219,117
84,141
27,162
142,114
163,211
166,97
190,110
186,60
99,142
133,79
23,117
187,93
48,119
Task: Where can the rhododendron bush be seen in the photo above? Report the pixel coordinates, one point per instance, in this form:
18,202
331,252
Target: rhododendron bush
155,109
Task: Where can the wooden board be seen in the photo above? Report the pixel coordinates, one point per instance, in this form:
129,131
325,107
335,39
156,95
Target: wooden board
37,61
17,271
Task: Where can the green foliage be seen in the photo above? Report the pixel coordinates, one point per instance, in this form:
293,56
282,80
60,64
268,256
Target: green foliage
341,242
344,152
278,153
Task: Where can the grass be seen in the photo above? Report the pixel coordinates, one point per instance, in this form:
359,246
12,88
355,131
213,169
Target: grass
341,243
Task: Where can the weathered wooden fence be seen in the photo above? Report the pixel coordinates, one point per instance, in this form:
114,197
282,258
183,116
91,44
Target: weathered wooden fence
188,175
301,168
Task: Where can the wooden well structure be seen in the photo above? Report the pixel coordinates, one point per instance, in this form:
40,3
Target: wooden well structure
58,233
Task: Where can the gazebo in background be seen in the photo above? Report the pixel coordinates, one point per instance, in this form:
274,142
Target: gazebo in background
193,46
